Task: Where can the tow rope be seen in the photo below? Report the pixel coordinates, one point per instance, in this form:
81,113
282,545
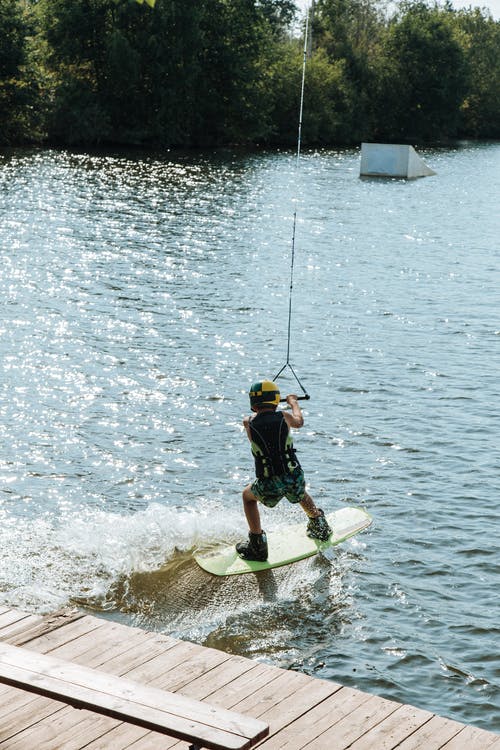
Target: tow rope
288,364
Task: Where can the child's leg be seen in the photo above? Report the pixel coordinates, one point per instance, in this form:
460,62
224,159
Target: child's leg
317,526
251,508
256,546
308,505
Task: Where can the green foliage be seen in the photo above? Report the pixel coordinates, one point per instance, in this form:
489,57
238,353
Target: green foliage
279,14
328,98
12,38
231,99
350,33
480,39
188,73
425,76
328,102
13,32
348,29
213,72
117,74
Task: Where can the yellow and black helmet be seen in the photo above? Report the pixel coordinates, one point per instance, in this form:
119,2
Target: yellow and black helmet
264,393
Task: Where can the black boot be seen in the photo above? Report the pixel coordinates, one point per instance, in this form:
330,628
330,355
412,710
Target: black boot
318,528
255,548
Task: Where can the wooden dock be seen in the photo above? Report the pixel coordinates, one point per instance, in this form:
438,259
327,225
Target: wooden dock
302,711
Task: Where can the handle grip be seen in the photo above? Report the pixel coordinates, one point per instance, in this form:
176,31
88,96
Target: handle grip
305,397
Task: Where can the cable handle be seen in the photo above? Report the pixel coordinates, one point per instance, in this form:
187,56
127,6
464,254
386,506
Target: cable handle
305,397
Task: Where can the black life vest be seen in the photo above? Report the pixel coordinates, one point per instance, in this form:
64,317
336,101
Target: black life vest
272,445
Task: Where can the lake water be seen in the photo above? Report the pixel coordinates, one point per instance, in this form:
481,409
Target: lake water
142,294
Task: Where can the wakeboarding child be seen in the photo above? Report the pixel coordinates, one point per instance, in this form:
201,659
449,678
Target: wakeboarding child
278,472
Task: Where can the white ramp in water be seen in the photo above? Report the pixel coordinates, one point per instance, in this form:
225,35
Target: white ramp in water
392,160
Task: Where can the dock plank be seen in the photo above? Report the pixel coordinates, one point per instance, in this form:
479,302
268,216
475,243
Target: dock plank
237,688
24,715
9,617
297,704
240,686
158,710
64,730
46,624
136,647
315,722
303,712
194,664
237,694
153,664
168,679
119,649
10,631
263,701
227,673
46,641
432,735
14,700
471,738
97,647
237,691
391,732
124,735
164,664
353,726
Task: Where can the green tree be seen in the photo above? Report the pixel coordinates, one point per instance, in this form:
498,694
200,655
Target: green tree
76,35
124,71
279,14
480,38
329,103
13,33
233,102
350,32
349,29
424,76
189,72
210,72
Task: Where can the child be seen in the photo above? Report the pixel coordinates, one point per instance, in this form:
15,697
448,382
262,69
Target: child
278,472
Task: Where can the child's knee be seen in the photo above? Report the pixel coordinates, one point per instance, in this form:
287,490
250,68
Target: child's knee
248,496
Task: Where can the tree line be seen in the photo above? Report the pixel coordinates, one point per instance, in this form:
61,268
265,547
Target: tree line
204,73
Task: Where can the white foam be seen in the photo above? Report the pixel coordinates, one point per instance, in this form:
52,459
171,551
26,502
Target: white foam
85,554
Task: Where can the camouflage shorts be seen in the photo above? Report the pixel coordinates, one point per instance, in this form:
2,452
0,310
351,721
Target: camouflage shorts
270,491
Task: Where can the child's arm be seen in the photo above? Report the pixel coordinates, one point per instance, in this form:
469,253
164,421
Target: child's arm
295,419
246,425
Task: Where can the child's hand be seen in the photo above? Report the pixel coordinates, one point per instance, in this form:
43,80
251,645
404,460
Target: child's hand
293,418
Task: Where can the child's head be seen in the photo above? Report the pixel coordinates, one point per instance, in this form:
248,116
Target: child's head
264,395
